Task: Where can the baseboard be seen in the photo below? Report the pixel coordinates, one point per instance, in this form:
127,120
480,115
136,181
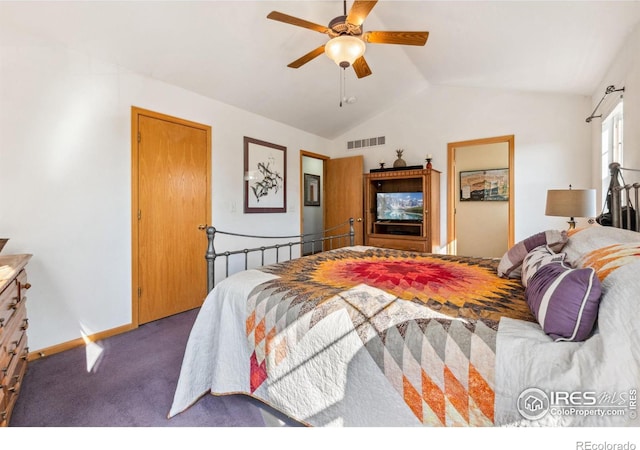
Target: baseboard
79,342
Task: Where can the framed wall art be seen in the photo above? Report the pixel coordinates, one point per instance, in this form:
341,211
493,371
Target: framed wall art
311,190
484,185
265,177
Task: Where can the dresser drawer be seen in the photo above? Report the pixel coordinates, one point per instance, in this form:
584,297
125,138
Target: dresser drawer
12,381
13,337
398,243
9,301
14,351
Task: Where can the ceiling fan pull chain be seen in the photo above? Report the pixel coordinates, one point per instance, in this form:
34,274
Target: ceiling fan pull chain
343,85
340,86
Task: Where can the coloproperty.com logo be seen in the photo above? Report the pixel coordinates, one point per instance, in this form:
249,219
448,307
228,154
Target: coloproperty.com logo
534,403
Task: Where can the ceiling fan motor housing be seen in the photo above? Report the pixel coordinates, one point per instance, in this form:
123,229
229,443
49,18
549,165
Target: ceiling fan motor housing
339,26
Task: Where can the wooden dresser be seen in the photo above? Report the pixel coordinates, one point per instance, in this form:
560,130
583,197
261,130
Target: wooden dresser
13,335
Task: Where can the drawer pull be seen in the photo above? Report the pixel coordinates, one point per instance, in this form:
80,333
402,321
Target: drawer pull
25,324
14,350
14,303
1,322
16,384
25,285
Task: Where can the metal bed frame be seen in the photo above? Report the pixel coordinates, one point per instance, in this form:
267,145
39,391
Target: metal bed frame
327,237
620,197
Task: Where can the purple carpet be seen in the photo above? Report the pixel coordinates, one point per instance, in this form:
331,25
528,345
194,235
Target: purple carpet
131,384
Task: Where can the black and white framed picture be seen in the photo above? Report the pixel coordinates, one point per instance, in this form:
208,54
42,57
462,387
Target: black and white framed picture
265,177
311,190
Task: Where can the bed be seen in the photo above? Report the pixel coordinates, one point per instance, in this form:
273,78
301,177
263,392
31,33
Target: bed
363,336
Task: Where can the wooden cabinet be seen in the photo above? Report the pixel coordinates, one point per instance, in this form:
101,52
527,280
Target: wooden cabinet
405,224
13,331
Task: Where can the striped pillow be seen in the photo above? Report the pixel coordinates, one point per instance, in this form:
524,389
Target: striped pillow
565,301
511,263
537,258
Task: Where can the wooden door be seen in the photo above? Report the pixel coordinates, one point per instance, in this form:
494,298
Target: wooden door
171,207
344,193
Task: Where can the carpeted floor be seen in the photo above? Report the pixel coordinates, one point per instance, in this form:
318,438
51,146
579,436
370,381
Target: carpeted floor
130,383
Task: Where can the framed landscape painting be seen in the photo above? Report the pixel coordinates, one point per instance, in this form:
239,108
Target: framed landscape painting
484,185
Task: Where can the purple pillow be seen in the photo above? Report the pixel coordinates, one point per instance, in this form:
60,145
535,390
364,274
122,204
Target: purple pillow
565,301
511,263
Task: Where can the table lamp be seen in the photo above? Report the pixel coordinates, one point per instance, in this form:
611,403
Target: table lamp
571,203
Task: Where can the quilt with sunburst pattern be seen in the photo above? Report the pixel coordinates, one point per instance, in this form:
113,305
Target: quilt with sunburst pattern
428,322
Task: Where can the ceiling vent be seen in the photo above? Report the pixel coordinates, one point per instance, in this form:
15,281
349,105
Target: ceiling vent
369,142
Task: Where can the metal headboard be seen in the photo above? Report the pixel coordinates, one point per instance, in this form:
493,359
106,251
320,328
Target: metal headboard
623,205
300,240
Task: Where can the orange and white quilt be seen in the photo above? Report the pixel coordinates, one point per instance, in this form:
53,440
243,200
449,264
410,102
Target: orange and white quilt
428,322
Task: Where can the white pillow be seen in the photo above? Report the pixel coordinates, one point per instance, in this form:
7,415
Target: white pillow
585,240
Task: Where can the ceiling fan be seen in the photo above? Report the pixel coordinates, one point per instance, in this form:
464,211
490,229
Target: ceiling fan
348,39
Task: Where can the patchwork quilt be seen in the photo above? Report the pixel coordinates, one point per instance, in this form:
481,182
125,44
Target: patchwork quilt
441,365
364,336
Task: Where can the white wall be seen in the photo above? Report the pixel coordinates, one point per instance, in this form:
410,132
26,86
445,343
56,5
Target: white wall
552,141
65,178
623,72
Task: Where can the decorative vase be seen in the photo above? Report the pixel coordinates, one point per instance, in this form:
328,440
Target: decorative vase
399,162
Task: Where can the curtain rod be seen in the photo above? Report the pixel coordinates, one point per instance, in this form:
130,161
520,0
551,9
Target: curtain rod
610,89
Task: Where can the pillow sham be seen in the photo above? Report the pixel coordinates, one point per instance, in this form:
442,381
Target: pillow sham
585,240
565,301
607,259
537,258
511,262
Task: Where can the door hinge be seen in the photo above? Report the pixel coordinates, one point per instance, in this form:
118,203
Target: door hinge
139,292
139,214
139,137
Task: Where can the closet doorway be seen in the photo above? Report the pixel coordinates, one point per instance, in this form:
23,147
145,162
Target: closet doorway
171,206
480,225
312,182
340,196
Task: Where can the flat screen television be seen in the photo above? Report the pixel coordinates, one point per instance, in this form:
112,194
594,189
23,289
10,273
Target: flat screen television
399,206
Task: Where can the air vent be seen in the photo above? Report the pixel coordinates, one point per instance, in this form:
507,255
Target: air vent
369,142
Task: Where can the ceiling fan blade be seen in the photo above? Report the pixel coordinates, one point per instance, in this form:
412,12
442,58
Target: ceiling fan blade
360,10
280,17
361,67
396,37
306,58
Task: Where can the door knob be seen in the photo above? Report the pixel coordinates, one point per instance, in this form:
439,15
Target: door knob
202,227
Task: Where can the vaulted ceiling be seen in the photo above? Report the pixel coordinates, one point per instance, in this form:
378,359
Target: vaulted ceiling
230,51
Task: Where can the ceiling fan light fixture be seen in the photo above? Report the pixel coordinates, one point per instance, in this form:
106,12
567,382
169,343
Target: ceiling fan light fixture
345,49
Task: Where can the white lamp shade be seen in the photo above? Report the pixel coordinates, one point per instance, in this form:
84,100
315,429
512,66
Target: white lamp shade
571,202
344,50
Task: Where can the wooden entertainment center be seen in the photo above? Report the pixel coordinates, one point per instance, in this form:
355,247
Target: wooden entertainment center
413,232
